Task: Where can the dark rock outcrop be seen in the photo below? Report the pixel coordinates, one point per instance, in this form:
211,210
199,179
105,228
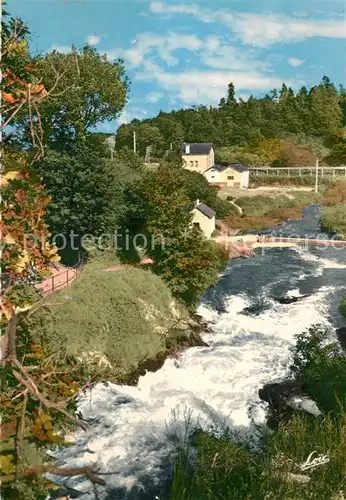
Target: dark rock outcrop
289,300
284,398
180,338
255,309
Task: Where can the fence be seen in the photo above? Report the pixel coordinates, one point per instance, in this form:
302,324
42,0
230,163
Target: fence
297,171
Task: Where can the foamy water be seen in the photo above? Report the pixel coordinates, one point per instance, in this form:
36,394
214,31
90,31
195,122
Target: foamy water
134,430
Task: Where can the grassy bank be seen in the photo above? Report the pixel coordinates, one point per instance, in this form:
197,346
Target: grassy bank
260,212
109,321
304,180
224,470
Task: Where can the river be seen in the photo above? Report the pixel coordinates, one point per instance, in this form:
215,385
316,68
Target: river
134,431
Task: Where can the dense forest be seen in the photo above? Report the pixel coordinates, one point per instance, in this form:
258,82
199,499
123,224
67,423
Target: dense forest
282,128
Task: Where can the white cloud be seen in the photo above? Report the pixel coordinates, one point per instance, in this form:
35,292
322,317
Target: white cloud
212,51
294,61
130,114
154,97
260,30
209,86
164,45
93,40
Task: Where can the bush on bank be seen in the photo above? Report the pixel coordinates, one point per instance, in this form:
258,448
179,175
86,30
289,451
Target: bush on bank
334,219
273,180
342,308
109,321
260,212
224,470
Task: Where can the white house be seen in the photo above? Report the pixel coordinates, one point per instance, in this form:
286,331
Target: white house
204,218
197,157
231,175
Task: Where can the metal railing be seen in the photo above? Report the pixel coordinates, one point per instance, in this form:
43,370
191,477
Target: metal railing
56,282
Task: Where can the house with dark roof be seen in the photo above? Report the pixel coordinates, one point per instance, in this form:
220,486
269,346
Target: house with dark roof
230,175
197,156
203,217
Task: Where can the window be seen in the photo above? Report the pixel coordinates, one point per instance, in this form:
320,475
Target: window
212,176
196,225
191,163
196,164
230,177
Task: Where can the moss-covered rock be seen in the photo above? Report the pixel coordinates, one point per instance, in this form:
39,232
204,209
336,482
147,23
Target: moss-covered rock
110,321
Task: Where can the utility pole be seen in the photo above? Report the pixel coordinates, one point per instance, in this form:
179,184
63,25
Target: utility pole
134,143
316,182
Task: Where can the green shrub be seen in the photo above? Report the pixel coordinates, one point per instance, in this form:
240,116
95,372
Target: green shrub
334,219
223,208
123,316
342,308
321,365
224,470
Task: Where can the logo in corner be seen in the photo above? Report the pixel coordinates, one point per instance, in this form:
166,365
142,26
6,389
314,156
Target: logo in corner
312,463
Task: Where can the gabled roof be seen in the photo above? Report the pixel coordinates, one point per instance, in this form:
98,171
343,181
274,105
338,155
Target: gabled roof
204,209
238,167
197,148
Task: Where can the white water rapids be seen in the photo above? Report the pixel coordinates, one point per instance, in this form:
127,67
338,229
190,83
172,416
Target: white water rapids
134,430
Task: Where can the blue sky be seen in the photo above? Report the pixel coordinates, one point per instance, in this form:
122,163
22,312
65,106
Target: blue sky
178,54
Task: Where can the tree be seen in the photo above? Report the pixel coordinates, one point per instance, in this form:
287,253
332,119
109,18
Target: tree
26,256
172,132
20,85
326,113
98,93
183,258
337,155
291,155
146,135
85,195
306,118
196,187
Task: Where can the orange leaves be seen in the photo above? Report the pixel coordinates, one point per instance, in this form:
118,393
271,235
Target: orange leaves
20,195
8,429
18,90
42,428
25,234
9,98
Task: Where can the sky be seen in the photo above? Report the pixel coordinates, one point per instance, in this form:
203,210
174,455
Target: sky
178,54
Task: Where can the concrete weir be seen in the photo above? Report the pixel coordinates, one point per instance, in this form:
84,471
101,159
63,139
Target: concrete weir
254,241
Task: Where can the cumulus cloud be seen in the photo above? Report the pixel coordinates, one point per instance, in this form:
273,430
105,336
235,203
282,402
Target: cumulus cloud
93,40
164,45
260,30
130,114
154,97
212,51
209,86
294,61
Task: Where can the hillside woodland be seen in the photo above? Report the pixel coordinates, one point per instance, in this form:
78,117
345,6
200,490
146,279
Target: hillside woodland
286,127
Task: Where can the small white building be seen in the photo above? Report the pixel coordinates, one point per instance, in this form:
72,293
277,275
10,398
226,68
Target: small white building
197,157
203,217
231,175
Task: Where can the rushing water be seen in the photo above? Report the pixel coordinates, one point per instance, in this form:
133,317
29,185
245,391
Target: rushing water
134,430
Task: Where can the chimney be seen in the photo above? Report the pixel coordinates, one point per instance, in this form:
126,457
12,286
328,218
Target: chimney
197,202
187,149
